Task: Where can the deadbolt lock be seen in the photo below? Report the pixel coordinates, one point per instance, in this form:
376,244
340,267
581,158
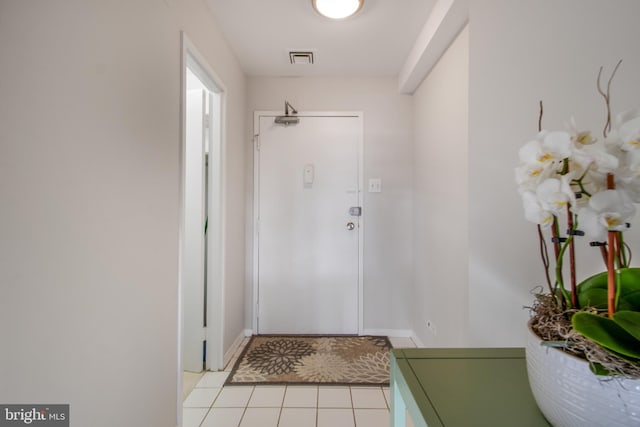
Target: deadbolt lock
355,211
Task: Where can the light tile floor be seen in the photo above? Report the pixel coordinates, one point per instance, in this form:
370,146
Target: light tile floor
189,382
210,404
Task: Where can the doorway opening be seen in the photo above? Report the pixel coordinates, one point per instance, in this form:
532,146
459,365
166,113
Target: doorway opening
201,275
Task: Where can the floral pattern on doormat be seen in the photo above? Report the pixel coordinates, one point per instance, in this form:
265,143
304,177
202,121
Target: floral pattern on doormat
293,359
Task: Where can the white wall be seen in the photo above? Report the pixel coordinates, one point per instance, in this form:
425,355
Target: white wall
387,155
89,183
522,52
441,200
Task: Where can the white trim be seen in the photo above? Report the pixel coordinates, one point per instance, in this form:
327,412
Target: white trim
256,204
417,340
181,200
361,221
397,333
256,216
233,349
190,56
215,307
446,20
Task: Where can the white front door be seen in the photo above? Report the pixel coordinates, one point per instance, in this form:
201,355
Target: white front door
308,254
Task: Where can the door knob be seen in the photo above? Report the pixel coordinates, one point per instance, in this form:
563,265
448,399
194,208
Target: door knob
350,226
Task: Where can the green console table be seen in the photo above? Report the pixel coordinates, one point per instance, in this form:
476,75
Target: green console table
464,387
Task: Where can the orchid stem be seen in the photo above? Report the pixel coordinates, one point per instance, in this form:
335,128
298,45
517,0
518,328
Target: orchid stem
544,254
567,298
572,258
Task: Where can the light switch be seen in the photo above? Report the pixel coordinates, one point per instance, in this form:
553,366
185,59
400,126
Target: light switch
375,185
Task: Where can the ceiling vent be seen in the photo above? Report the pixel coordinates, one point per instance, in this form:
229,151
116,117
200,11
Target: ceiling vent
301,57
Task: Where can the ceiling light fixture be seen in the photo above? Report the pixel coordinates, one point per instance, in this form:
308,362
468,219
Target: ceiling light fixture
337,9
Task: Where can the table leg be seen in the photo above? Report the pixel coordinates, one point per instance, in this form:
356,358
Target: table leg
399,414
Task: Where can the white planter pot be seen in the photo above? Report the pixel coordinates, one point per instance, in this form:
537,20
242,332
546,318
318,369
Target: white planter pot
569,394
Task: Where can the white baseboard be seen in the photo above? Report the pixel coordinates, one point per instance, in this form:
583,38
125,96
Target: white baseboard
400,333
417,341
228,355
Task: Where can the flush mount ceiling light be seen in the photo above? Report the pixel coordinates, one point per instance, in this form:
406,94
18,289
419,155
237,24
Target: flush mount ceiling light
337,9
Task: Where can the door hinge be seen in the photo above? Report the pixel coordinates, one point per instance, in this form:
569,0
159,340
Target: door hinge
256,138
207,121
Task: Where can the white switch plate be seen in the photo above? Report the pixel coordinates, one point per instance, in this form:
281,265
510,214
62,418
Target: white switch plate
375,185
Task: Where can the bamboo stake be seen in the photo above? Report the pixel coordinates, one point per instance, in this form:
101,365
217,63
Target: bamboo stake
611,255
611,275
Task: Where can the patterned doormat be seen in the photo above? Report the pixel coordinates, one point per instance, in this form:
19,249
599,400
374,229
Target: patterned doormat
294,359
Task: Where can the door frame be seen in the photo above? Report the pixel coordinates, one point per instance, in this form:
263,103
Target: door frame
256,203
214,334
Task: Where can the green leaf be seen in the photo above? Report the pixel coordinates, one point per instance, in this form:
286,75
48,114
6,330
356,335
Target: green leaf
607,333
592,292
624,304
598,369
629,321
593,297
597,298
633,300
597,281
630,278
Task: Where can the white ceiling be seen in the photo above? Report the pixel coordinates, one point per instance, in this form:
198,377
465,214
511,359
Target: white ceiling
375,42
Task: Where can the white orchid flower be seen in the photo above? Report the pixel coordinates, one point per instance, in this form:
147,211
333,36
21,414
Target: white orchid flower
555,195
529,176
628,175
546,149
580,138
541,159
609,210
595,157
626,132
590,224
534,212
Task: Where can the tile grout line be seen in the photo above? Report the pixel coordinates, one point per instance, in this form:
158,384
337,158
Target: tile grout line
353,410
317,405
385,399
280,413
205,416
246,406
242,417
281,406
210,408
